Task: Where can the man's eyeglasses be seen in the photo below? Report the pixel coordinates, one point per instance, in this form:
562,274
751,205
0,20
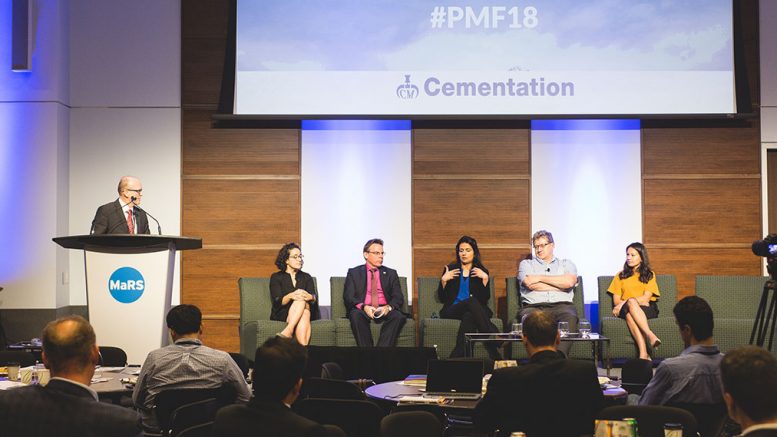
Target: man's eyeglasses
140,191
377,253
541,246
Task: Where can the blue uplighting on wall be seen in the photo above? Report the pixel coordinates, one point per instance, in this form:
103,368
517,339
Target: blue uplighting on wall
356,124
627,124
13,162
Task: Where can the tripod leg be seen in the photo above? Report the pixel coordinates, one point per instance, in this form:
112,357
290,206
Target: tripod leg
773,310
757,332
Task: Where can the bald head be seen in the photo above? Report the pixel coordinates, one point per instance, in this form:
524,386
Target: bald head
540,329
69,345
127,181
130,189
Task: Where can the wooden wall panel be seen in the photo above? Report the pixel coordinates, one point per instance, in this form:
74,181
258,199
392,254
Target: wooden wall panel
221,334
492,211
701,151
689,262
203,43
247,212
211,276
230,151
701,199
771,190
493,152
710,211
202,63
471,182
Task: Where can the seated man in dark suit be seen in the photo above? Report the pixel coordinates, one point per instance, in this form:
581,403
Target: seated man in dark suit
749,377
278,368
372,294
66,406
123,215
549,396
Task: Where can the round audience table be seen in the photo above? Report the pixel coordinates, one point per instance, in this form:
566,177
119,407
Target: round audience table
394,391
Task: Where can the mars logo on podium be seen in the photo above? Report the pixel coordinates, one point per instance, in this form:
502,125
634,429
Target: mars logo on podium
126,285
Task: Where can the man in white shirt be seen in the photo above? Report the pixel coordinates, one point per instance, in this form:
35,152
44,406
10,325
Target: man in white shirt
123,215
547,283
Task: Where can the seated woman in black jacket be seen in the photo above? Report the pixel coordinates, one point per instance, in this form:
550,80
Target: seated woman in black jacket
293,292
464,292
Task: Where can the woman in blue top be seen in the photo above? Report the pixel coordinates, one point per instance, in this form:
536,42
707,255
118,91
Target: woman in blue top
464,292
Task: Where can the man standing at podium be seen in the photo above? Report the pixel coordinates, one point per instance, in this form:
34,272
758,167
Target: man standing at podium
121,216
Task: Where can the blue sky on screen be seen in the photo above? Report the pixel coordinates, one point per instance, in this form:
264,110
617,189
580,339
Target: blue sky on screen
375,35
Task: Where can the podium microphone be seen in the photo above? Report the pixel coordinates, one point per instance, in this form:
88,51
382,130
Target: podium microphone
158,226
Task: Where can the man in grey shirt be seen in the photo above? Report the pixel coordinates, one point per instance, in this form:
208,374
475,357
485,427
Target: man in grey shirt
547,283
184,364
693,376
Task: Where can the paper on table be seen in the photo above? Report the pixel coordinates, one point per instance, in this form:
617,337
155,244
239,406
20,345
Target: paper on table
5,385
421,400
110,369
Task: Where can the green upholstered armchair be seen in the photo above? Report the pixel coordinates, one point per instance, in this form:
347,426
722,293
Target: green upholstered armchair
442,332
580,351
255,323
343,333
621,344
734,301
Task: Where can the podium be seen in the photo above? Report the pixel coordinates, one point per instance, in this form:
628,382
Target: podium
129,287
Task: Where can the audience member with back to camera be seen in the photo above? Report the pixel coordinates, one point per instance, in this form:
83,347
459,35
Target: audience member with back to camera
550,396
634,293
294,298
278,367
464,291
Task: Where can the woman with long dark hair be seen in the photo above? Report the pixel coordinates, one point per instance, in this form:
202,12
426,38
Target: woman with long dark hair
464,292
634,294
293,292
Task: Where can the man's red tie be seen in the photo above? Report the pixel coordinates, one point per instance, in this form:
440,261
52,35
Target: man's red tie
130,225
374,288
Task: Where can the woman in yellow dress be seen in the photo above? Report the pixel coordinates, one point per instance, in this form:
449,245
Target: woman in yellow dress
634,294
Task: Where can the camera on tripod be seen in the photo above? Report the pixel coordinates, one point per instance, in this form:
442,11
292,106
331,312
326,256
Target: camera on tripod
767,248
766,316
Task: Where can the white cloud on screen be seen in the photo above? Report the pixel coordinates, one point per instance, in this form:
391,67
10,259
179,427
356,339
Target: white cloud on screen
293,66
535,51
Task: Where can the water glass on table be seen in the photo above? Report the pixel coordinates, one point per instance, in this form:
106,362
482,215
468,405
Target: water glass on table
584,326
563,328
44,376
13,371
25,375
517,331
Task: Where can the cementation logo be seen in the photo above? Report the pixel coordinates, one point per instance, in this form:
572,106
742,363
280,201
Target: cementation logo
436,87
407,90
126,285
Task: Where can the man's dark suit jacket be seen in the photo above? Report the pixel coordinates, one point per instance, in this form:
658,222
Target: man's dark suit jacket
110,219
271,418
549,396
356,287
62,409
